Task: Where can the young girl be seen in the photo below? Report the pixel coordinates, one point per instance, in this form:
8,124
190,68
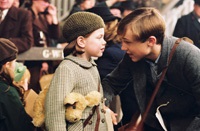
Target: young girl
12,114
84,32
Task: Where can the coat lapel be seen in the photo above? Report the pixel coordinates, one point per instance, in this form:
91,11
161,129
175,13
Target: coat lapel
140,85
140,73
39,22
195,21
8,24
166,48
163,60
196,24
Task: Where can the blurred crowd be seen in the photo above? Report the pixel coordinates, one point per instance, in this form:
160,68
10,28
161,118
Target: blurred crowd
34,23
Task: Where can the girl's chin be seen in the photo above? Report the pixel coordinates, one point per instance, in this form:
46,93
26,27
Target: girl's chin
100,54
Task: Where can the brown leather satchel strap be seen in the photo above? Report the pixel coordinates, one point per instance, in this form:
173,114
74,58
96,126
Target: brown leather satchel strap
89,117
92,113
98,119
140,126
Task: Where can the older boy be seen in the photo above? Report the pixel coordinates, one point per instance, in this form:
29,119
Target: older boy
147,51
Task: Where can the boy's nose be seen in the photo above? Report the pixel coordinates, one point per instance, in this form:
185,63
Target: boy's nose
123,47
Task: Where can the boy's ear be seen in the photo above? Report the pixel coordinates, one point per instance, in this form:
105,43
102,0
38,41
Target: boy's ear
152,41
81,41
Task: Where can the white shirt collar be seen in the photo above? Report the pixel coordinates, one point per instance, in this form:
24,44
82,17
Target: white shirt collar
4,13
199,20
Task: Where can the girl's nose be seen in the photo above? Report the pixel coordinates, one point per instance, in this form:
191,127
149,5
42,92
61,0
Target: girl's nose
104,42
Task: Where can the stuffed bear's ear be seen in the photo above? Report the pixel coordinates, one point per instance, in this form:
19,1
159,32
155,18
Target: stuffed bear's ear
93,98
72,98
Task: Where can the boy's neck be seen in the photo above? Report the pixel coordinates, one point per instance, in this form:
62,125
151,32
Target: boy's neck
155,52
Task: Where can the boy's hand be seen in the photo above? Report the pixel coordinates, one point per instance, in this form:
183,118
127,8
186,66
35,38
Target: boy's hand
113,117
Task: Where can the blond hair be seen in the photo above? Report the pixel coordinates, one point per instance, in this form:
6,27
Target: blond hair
111,31
143,22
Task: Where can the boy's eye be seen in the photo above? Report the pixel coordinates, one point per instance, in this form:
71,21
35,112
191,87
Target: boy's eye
126,41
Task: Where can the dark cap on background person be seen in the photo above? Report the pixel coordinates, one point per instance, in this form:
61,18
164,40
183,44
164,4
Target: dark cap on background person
78,2
104,12
8,51
81,24
117,5
197,2
128,5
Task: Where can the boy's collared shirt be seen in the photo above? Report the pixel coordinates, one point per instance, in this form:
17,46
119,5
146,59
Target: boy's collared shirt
154,70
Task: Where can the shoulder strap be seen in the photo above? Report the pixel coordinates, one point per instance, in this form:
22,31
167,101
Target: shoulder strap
140,125
92,113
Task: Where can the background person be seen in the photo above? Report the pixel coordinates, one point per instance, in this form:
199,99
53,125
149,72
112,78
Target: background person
46,33
189,25
12,113
16,25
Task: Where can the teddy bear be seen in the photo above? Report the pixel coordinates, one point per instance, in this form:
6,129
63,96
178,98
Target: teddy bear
76,103
38,107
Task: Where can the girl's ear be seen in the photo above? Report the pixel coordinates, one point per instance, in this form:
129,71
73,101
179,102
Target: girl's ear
152,41
7,64
81,41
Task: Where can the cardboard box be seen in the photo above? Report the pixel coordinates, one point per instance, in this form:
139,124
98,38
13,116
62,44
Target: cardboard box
29,99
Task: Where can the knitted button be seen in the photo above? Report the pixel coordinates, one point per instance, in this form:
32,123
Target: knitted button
90,122
103,120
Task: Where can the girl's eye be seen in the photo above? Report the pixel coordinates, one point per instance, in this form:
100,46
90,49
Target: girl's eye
100,36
